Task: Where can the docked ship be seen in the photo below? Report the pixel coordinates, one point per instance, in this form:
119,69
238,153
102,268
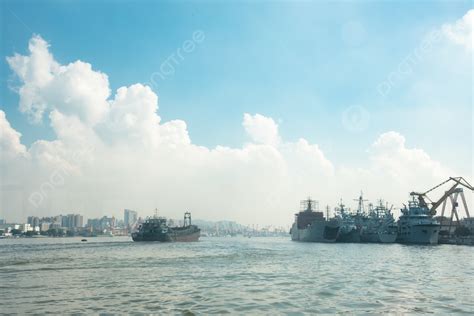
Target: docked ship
417,225
156,229
311,226
350,228
379,226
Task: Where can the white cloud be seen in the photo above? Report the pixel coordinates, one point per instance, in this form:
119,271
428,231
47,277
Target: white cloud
116,153
46,85
133,115
392,158
460,32
261,129
10,145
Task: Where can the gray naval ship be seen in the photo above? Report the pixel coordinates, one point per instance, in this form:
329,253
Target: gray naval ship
416,225
311,226
350,227
379,226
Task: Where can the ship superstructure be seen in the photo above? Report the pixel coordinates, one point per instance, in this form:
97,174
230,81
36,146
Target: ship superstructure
311,226
350,226
379,225
417,225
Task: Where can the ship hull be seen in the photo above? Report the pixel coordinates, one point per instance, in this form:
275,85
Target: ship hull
322,231
387,238
150,237
369,237
352,236
190,237
188,234
419,234
379,236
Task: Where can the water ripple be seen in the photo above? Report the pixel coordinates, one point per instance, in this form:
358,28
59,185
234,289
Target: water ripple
232,275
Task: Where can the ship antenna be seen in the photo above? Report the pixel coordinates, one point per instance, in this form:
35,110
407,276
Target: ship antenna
361,203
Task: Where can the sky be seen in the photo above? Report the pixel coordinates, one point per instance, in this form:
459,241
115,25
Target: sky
232,110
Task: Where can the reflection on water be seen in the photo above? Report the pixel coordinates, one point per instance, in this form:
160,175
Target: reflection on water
232,275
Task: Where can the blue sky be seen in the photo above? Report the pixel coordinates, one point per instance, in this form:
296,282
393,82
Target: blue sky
301,63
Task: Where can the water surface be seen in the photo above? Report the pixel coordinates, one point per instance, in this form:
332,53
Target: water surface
232,275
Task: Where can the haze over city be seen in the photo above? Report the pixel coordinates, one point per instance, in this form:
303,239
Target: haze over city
231,118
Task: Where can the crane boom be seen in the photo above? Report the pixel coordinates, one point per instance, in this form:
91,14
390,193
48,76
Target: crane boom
446,194
435,205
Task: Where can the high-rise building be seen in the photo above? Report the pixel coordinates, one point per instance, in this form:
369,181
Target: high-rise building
64,221
129,218
72,221
33,221
78,220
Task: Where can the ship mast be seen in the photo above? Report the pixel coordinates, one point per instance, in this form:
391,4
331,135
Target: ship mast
360,208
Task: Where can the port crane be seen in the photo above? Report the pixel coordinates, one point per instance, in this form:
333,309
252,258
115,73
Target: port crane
451,195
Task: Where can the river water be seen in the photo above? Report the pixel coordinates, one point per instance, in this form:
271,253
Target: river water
232,275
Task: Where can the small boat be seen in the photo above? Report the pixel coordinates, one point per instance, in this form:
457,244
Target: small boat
83,240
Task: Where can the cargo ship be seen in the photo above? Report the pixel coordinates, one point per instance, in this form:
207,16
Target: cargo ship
156,229
416,225
311,226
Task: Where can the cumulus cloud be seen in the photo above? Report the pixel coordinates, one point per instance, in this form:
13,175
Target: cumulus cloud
10,145
133,115
114,152
460,32
261,129
46,85
391,157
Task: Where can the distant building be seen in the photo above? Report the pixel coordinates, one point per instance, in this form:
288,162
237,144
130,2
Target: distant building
33,221
129,218
58,220
101,223
3,222
72,221
78,220
45,226
64,221
25,228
